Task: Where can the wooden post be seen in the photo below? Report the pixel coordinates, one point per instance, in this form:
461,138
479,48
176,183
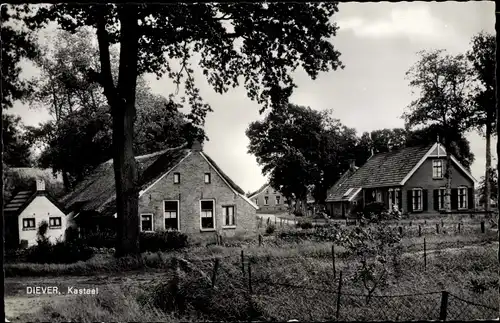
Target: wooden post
339,291
410,223
260,240
482,227
459,227
444,306
242,263
400,231
437,228
442,223
419,230
425,222
425,255
275,220
214,273
250,277
333,262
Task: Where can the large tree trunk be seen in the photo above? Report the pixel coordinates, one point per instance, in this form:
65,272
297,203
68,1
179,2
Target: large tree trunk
2,222
487,183
122,102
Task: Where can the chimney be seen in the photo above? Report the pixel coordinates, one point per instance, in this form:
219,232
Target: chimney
40,185
352,164
196,145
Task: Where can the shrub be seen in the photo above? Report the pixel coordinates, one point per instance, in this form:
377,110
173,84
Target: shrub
270,228
162,241
304,224
105,239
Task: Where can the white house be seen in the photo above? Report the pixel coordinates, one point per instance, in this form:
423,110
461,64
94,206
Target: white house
27,210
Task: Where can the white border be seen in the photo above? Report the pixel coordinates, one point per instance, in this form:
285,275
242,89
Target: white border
152,222
178,214
213,215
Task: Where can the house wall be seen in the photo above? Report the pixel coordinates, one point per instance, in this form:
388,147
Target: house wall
41,208
189,192
422,178
272,206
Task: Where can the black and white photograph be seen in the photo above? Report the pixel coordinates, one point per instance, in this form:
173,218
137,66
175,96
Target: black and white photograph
250,161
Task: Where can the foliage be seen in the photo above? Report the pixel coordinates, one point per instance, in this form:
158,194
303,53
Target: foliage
375,212
162,241
17,44
493,177
24,180
270,228
64,252
305,224
103,239
16,150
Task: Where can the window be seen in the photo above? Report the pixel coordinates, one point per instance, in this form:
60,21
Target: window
146,222
266,200
228,214
278,199
396,196
29,223
441,196
256,201
437,169
379,196
417,199
177,178
267,191
207,214
391,199
171,214
462,198
207,178
54,222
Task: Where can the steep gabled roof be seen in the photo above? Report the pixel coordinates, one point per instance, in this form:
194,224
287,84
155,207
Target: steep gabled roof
384,169
260,190
22,199
97,191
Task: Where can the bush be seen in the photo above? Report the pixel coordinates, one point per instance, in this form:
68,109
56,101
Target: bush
162,241
106,239
304,224
376,211
270,228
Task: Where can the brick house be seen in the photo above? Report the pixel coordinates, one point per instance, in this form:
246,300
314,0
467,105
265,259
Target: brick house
410,178
268,199
180,189
27,210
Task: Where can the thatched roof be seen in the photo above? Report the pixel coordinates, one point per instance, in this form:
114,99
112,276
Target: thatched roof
97,191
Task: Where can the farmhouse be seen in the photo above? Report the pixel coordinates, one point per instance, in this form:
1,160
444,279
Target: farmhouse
411,179
27,210
268,199
179,189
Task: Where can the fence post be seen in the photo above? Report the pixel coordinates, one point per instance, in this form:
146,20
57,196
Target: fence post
419,230
425,255
410,223
338,295
214,273
260,240
333,262
437,228
242,263
444,306
249,277
482,226
459,227
442,223
400,231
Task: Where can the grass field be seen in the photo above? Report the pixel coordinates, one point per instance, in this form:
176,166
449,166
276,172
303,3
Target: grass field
289,281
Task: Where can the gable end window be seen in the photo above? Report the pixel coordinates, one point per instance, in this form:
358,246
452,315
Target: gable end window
54,222
256,201
146,222
177,178
207,178
437,169
29,224
207,214
266,200
462,198
277,199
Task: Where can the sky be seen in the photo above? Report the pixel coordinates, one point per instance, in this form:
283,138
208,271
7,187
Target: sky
378,43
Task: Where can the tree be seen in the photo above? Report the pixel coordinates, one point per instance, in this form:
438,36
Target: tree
16,149
482,57
276,38
493,186
444,83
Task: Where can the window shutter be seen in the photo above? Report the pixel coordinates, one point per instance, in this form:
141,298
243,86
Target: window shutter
400,200
470,195
454,198
409,201
425,200
436,200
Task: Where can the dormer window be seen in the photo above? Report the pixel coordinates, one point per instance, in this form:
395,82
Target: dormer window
177,178
207,178
437,169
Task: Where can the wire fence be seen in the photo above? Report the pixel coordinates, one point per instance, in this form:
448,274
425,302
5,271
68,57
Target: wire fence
291,299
